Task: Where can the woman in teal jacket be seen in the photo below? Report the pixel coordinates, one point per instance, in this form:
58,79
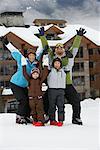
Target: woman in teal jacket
19,83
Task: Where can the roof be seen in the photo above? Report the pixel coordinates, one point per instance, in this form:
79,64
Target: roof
28,34
51,21
55,29
11,13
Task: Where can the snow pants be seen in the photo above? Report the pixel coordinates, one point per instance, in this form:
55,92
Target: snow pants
72,97
21,95
37,111
56,99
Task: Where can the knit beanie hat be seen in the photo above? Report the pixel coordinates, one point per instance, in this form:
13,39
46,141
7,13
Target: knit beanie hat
59,45
35,70
57,59
30,51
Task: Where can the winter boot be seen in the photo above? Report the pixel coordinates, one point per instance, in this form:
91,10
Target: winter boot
77,121
60,123
39,123
29,120
34,122
20,120
54,123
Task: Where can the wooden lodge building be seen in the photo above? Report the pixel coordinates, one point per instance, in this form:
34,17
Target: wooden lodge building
86,70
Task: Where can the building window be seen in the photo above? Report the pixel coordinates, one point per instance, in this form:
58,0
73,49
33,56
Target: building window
91,64
5,55
1,83
52,37
79,81
78,67
82,95
80,53
4,84
62,25
1,54
90,51
92,78
99,51
8,69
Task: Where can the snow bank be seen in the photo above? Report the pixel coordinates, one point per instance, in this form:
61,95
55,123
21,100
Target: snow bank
68,137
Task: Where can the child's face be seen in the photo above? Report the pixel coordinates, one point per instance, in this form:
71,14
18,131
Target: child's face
31,57
35,75
57,65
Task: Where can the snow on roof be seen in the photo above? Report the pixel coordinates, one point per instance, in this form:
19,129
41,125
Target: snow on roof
34,29
27,34
91,34
7,91
70,32
3,30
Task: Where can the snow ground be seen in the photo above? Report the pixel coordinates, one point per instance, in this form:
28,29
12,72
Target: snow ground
68,137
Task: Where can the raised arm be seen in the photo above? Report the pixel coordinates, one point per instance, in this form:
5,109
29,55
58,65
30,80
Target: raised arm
45,45
76,43
45,71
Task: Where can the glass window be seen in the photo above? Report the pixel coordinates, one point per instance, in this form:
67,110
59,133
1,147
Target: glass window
90,51
78,67
80,53
8,69
98,51
79,80
91,64
92,78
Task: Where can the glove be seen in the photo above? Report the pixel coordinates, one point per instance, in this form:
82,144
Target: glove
4,40
69,54
41,31
45,60
81,32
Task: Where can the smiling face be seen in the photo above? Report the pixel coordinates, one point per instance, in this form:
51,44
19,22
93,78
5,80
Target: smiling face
59,50
57,65
35,75
31,57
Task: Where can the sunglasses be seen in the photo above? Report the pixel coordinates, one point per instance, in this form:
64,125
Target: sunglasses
59,45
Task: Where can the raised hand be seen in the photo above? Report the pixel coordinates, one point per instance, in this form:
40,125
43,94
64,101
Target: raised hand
81,32
41,31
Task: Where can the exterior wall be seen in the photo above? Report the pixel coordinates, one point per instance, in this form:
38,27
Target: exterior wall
86,87
12,20
7,66
44,22
95,72
18,42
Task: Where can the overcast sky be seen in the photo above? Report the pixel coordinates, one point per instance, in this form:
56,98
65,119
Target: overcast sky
85,12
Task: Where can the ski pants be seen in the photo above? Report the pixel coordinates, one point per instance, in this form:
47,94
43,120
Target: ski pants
72,97
21,95
56,99
37,111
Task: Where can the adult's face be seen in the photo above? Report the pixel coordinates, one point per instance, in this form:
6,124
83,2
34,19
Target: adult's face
31,57
59,50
